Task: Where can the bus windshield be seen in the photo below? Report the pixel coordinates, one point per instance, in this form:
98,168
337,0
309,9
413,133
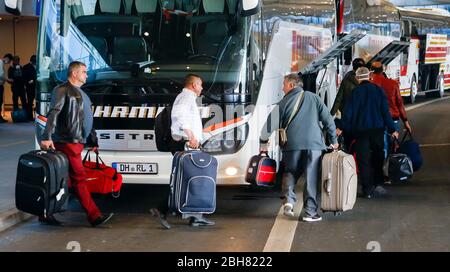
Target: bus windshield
146,41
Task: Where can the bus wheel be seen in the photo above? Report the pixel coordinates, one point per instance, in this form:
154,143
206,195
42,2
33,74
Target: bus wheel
413,91
440,92
441,86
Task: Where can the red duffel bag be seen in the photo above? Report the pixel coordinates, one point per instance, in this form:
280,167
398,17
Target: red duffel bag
101,178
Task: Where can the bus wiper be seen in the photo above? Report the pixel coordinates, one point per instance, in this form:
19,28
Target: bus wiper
212,97
137,67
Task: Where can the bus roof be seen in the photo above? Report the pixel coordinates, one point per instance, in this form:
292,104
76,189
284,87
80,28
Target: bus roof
425,16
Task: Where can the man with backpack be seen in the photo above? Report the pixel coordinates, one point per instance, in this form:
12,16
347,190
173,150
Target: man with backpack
186,127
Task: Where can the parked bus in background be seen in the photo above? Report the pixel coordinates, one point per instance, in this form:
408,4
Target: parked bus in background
138,51
412,43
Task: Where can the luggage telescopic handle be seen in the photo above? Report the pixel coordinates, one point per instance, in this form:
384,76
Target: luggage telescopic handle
187,148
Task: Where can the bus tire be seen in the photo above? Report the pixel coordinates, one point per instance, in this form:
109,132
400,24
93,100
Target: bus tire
440,92
413,91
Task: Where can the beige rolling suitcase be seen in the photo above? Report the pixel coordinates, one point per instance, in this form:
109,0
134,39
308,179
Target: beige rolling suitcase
339,182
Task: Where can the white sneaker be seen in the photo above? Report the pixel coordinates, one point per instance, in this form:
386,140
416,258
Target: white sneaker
289,209
315,218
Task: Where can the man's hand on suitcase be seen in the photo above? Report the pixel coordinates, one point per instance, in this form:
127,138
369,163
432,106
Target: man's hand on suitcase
335,146
395,134
46,145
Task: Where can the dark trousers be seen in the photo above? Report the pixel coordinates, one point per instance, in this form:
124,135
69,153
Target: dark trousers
31,93
295,164
163,206
370,158
77,176
19,93
2,89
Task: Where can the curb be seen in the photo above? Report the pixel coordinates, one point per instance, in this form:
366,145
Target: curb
12,217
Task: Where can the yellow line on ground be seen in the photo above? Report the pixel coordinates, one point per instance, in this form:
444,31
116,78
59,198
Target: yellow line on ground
15,143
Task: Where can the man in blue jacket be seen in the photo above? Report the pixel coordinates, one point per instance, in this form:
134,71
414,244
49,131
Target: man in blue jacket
366,115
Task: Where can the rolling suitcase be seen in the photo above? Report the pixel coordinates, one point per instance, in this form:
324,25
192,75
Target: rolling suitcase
42,182
397,166
193,182
339,182
411,148
261,171
19,116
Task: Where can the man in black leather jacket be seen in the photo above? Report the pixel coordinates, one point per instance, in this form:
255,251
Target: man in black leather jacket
69,128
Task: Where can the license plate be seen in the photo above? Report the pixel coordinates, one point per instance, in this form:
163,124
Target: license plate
135,168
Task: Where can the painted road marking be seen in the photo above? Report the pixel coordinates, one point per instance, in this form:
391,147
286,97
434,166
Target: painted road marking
15,143
283,231
434,145
426,103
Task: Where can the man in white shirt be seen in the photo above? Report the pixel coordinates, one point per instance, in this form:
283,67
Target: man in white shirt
186,126
186,119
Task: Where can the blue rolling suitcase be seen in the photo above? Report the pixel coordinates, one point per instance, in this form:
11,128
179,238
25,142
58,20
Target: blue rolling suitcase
412,150
193,182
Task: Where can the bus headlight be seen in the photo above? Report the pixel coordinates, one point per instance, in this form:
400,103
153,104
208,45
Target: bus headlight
228,142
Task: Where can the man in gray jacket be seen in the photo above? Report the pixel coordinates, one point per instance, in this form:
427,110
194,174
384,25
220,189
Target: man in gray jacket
303,150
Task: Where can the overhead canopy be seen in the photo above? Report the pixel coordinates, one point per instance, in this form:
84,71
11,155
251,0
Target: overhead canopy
390,52
334,52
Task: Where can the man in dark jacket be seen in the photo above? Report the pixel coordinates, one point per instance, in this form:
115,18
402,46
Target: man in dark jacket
348,84
15,78
366,115
29,76
69,102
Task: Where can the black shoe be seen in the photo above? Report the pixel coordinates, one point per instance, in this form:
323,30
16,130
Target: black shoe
49,220
196,222
161,216
101,219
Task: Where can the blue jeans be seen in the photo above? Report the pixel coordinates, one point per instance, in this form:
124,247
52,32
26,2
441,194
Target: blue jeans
388,138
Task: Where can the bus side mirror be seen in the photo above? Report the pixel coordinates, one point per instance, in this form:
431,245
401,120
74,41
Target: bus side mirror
13,6
250,7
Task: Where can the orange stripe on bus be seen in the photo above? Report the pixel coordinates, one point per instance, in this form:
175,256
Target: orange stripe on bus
223,124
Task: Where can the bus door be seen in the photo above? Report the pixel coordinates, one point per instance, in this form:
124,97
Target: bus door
433,53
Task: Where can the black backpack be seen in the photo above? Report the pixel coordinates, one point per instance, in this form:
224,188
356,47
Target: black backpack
163,134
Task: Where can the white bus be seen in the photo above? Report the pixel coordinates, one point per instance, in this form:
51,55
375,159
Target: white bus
412,43
138,52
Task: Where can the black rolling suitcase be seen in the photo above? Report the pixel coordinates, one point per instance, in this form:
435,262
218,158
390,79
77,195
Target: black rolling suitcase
42,182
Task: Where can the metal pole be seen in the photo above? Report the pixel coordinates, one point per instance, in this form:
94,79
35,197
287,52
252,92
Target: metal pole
14,35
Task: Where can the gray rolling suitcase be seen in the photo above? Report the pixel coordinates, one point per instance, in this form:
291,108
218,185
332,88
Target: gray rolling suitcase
339,182
193,182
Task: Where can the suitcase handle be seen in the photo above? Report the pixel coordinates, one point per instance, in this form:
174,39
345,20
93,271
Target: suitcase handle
406,135
327,184
97,159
